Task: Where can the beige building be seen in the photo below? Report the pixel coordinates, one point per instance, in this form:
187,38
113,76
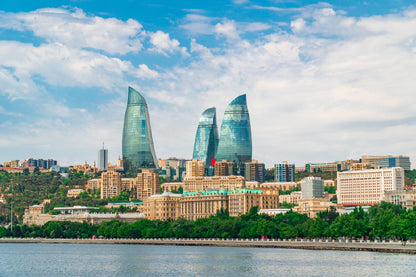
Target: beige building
224,168
193,184
283,186
346,165
171,186
330,183
163,206
94,184
195,168
252,185
405,198
312,206
14,163
205,203
243,200
111,184
387,161
201,205
74,192
292,198
147,183
360,166
321,167
367,187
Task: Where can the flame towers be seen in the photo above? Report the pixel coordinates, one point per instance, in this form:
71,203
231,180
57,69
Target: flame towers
206,139
137,144
235,137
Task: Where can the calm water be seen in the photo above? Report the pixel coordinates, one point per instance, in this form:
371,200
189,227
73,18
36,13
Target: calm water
147,260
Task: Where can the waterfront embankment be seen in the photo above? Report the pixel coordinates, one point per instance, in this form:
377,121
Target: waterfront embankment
310,244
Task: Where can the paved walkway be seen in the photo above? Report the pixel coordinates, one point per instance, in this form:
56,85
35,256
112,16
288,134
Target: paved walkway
315,244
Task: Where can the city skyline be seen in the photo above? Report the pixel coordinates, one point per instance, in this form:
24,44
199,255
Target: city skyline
325,81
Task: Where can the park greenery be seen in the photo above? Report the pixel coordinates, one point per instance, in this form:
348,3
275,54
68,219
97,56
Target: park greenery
381,221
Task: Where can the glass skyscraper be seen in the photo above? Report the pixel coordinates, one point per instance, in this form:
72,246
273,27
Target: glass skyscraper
206,139
235,137
137,145
103,159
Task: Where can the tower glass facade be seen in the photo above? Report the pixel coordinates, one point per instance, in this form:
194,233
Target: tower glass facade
137,145
284,172
206,139
235,137
102,159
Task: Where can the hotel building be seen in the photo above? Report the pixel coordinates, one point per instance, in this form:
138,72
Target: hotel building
367,187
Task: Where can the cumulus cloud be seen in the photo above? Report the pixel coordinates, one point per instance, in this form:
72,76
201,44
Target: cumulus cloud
76,29
227,29
164,44
319,85
333,87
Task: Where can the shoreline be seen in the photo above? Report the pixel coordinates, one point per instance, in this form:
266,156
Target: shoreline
306,244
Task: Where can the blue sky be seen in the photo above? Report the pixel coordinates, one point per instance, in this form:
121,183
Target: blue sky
325,81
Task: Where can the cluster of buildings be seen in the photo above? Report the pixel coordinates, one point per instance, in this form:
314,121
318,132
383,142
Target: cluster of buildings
233,145
16,166
223,176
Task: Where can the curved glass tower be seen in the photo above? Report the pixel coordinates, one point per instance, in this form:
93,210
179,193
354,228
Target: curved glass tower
137,145
235,137
206,139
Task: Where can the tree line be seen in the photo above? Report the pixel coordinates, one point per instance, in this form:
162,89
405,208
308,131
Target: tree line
381,221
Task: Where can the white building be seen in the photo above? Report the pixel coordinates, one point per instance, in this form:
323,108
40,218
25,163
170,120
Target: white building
367,187
312,187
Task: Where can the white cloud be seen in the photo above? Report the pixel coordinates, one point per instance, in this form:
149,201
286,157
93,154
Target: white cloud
164,44
227,29
336,87
78,30
307,94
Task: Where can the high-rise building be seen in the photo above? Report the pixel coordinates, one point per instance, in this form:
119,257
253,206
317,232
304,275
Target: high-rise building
284,172
235,138
138,149
103,159
387,161
367,187
206,139
110,184
254,171
195,168
312,187
147,183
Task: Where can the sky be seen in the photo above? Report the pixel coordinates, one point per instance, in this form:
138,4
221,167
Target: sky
325,81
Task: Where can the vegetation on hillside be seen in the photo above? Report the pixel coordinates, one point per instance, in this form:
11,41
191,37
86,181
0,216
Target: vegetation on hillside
32,188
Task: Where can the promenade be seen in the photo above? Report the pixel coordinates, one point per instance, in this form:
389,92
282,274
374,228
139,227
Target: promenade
310,244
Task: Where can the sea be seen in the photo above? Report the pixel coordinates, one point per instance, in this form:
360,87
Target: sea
42,259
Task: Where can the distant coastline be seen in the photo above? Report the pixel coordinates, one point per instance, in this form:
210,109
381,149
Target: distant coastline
313,244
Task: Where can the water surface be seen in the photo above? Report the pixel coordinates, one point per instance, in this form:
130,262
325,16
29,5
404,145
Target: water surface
33,259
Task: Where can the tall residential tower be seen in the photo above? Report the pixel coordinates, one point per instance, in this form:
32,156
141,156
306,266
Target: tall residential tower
235,137
103,159
137,145
206,139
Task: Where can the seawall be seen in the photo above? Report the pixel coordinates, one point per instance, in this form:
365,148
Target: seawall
314,244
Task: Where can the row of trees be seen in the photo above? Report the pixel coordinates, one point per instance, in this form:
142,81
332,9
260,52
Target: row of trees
384,220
